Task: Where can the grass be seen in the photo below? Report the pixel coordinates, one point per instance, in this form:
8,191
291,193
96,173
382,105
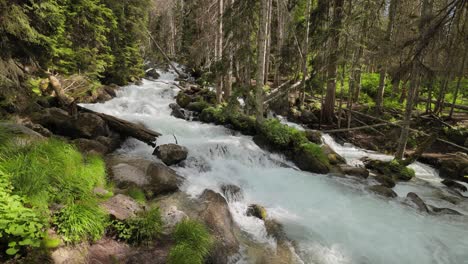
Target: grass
193,243
81,221
146,226
137,194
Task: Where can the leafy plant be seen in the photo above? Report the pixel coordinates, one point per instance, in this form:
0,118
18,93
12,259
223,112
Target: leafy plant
193,243
137,194
81,221
19,226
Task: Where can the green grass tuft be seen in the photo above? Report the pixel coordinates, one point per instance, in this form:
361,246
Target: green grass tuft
184,254
145,227
81,221
193,242
137,194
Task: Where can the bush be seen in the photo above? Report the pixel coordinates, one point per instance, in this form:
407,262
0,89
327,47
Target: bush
19,226
81,221
282,136
193,243
142,228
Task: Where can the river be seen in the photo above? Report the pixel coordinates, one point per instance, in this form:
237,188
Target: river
333,220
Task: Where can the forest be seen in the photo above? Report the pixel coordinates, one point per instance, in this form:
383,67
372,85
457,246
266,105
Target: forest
233,131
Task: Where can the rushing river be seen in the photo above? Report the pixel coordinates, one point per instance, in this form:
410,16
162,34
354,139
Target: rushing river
332,219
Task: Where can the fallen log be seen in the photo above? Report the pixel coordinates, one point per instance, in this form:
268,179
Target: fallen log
127,128
278,92
354,128
445,104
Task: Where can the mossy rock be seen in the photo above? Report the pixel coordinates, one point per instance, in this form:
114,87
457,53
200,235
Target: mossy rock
310,157
197,106
243,123
213,115
392,169
183,99
257,211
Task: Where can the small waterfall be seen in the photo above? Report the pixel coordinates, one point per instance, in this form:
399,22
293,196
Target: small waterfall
330,222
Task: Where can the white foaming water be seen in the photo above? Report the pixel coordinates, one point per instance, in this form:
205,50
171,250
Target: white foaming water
330,222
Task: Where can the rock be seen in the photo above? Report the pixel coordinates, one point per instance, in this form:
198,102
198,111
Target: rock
108,251
385,180
391,169
455,185
126,175
314,136
70,255
111,90
178,112
382,191
183,100
151,255
121,207
90,146
444,211
152,74
171,216
283,253
112,142
415,201
333,157
198,106
38,128
307,117
454,166
354,171
257,211
171,154
309,162
22,135
162,179
101,192
90,125
216,215
275,230
233,193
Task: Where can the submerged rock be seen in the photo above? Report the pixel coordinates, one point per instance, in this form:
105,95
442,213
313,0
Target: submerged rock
257,211
444,211
183,99
382,191
455,185
171,154
233,193
178,112
354,171
385,180
415,201
391,169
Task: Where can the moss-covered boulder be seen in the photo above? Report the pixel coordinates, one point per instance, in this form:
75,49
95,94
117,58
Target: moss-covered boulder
257,211
310,157
243,123
454,166
382,191
197,106
333,157
213,115
183,99
392,169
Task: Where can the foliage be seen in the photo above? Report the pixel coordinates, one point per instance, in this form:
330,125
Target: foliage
282,136
193,243
145,227
402,172
81,221
19,226
315,151
137,194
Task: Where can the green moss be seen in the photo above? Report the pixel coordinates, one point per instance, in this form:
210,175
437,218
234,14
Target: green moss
197,106
316,151
81,221
401,172
282,136
213,115
193,243
245,124
183,100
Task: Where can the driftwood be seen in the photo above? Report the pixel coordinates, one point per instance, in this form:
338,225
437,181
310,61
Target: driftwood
420,150
64,99
127,128
354,128
445,104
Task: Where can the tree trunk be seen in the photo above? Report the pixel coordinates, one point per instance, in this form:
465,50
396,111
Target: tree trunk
261,58
329,105
460,76
219,53
380,90
305,51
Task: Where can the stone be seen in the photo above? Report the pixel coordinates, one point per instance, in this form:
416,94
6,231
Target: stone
90,125
152,74
454,185
108,251
454,167
121,207
391,169
333,157
307,117
183,99
415,201
232,193
314,136
125,174
216,215
76,254
112,142
382,191
22,135
171,216
354,171
171,154
307,161
178,112
385,180
162,179
257,211
444,211
90,146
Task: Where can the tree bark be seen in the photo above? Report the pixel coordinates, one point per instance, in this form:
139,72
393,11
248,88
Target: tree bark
261,58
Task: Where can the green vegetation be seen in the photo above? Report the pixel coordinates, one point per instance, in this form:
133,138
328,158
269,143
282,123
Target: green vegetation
81,221
193,243
142,228
137,194
283,136
402,172
34,176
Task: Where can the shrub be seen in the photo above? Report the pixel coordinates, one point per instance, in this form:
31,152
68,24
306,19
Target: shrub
142,228
19,226
81,221
282,136
193,243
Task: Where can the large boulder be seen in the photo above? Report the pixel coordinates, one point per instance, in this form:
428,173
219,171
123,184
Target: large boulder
178,112
21,134
90,125
308,161
121,207
444,211
183,99
90,146
415,201
454,166
333,157
108,251
385,180
162,179
171,154
76,254
382,191
354,171
314,136
391,169
455,185
233,193
152,74
257,211
216,215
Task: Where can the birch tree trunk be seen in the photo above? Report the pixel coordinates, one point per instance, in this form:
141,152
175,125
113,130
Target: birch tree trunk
219,53
261,58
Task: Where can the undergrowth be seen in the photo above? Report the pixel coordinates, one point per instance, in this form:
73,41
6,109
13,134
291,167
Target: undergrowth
146,226
193,243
